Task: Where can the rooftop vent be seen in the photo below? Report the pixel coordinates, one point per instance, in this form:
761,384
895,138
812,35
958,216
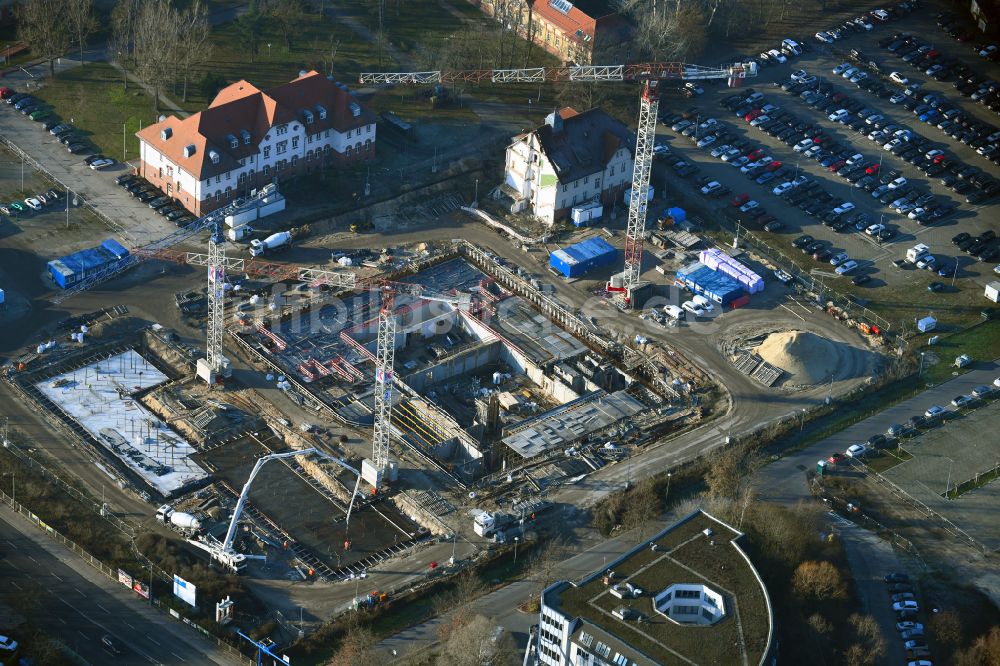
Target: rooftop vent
708,531
166,133
303,72
189,150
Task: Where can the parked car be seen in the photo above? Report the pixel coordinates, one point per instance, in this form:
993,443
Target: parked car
856,451
934,411
961,400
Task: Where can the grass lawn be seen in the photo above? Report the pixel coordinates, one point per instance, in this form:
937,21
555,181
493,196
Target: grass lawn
887,459
93,96
981,342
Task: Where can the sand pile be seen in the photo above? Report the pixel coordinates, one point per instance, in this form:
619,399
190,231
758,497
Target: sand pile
807,357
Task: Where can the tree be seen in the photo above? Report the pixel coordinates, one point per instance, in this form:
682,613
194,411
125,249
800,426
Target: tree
121,44
481,642
156,45
287,14
44,25
249,27
82,21
357,648
194,45
819,581
946,627
643,505
869,645
724,473
985,651
667,35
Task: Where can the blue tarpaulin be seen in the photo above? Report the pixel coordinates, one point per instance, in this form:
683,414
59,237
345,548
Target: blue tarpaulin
583,257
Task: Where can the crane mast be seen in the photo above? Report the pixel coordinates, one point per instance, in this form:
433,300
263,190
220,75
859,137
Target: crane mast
216,300
386,352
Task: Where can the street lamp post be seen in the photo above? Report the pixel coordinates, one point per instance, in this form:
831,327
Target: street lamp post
802,419
948,484
516,540
475,201
920,371
666,497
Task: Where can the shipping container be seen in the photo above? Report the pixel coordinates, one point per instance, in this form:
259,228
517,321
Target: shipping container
272,205
242,217
71,269
586,213
993,291
712,284
116,249
583,257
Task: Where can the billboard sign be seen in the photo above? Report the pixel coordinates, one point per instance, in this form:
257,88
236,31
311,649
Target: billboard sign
141,589
184,590
124,578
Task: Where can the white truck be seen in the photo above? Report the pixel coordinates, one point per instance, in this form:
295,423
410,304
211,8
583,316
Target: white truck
183,522
272,243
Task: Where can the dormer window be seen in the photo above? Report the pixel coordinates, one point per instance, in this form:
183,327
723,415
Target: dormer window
322,112
189,150
308,115
246,137
166,133
214,156
233,141
355,109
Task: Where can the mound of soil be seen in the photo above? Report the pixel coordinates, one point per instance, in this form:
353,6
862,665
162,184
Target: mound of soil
808,358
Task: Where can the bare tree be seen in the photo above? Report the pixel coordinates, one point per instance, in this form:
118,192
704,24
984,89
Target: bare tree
985,651
44,25
818,580
481,642
82,21
287,15
869,645
946,627
121,44
667,35
357,648
194,43
156,45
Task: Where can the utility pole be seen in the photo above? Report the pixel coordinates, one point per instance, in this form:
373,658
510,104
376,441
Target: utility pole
67,208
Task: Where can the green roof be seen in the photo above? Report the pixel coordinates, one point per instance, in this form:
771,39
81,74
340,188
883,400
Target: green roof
684,554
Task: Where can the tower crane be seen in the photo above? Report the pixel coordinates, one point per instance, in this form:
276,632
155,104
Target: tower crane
384,359
650,75
223,552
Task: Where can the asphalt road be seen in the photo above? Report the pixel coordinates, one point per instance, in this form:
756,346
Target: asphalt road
785,480
78,605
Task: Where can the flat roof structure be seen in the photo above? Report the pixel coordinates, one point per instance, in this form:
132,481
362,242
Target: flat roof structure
100,398
569,422
689,595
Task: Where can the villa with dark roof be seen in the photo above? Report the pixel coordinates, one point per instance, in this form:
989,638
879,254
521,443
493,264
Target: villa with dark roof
248,138
574,158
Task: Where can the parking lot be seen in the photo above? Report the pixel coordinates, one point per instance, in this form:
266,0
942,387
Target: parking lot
959,275
954,453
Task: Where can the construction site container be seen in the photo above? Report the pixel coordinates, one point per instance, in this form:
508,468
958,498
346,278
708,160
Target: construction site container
718,260
675,214
3,297
927,324
992,291
586,213
717,286
71,269
583,257
116,249
242,217
239,233
271,205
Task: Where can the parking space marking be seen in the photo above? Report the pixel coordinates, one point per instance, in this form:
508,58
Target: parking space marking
792,311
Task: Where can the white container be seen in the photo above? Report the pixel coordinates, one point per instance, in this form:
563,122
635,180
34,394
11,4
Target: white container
993,291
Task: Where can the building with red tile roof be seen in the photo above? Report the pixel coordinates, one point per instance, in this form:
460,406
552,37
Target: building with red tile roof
248,137
572,31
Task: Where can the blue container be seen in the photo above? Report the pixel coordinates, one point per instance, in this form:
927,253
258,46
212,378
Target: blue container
583,257
717,286
116,249
67,271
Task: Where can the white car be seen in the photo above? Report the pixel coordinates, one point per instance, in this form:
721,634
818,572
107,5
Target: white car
718,151
858,77
875,229
841,68
854,159
838,116
899,78
856,451
917,213
748,206
988,51
702,302
803,144
962,401
809,152
97,165
711,187
694,309
798,75
931,154
710,122
934,411
731,154
706,142
838,258
760,120
908,605
782,189
849,72
927,261
899,182
777,56
897,98
33,203
846,267
845,207
801,180
825,37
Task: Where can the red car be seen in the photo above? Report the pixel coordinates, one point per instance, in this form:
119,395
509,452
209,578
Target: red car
873,169
773,166
837,166
836,458
938,159
753,114
755,154
739,200
6,92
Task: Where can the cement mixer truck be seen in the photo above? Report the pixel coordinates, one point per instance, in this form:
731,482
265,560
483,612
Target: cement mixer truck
183,522
273,243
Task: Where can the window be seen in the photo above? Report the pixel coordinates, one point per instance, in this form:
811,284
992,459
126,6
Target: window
602,649
229,192
611,171
597,183
246,137
295,142
229,175
281,147
218,179
242,179
281,129
620,659
368,144
350,133
218,195
170,171
586,179
309,156
170,189
326,135
295,160
564,188
348,151
267,152
243,161
309,139
688,594
233,141
357,146
267,170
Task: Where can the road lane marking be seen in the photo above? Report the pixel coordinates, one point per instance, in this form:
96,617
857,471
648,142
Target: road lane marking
56,575
14,583
33,559
11,543
129,625
104,609
62,620
153,640
178,656
85,637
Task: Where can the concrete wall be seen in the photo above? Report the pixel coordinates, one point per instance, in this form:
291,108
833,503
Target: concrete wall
462,363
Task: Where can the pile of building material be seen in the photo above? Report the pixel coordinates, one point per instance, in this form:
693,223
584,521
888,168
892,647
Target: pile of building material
808,358
718,260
